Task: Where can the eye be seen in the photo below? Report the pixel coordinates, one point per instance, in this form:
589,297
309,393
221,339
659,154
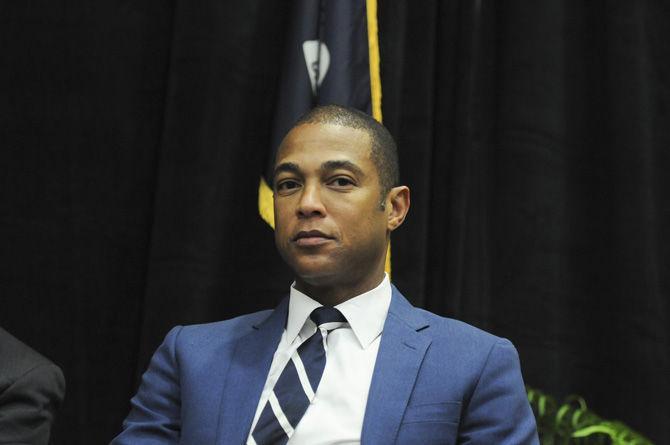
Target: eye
287,185
342,182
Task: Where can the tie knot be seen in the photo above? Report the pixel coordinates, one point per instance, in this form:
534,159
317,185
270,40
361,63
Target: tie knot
326,314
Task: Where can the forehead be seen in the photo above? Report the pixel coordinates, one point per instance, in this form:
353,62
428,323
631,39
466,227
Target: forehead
320,142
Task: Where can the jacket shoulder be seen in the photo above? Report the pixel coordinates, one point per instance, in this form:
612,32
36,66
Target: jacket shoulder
444,326
221,331
460,339
440,329
20,359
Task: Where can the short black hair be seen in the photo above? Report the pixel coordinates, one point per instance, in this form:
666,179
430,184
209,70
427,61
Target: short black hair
383,150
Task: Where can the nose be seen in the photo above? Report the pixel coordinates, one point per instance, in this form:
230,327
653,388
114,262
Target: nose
310,203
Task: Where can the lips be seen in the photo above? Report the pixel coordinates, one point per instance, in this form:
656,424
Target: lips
311,238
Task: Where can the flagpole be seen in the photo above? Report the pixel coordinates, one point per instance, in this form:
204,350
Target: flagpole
375,81
373,57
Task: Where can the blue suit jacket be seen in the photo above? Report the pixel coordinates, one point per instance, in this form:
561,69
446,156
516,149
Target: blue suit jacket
436,381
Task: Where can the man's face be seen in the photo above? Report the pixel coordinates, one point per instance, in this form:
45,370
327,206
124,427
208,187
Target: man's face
329,225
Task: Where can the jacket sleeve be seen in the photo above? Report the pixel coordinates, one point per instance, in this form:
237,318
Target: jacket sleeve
498,411
29,404
155,412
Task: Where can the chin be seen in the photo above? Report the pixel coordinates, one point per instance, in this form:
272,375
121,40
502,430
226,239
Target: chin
315,274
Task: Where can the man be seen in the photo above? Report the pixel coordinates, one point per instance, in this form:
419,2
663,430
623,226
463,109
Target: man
345,358
31,391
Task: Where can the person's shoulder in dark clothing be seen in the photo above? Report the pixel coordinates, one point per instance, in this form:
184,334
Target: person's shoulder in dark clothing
31,391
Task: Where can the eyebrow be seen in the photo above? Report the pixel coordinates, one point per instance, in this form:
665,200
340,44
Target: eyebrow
288,167
346,165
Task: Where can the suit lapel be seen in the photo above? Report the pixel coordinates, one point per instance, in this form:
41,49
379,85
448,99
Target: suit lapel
399,358
246,378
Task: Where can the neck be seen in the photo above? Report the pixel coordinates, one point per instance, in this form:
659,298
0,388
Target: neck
334,294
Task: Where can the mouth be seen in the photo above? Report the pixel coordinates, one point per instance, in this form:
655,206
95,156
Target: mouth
311,238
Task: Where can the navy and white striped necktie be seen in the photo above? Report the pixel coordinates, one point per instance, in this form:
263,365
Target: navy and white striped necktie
297,383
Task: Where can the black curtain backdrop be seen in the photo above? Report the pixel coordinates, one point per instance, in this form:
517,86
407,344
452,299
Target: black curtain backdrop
534,137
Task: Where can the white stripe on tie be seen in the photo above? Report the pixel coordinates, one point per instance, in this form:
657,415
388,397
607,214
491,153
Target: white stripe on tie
279,414
324,335
302,375
251,441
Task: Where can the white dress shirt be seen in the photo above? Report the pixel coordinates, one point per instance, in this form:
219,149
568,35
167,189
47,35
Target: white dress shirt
336,413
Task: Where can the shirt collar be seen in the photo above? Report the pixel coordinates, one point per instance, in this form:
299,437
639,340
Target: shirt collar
365,313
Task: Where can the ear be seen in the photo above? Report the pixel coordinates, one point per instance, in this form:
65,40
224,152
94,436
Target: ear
396,207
